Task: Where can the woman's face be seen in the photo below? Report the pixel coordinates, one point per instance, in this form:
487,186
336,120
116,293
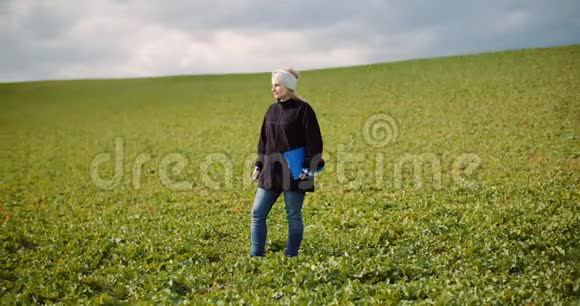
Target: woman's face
280,91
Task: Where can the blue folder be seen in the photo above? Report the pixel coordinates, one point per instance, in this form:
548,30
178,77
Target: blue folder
295,160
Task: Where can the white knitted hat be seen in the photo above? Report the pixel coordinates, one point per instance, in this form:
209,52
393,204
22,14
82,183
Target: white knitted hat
285,78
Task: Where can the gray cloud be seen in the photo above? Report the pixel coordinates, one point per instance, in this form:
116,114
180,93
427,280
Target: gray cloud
88,39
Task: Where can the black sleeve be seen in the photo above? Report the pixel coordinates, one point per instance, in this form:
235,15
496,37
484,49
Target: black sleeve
313,140
262,145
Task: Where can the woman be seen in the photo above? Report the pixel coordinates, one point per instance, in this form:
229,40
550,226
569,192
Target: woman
290,123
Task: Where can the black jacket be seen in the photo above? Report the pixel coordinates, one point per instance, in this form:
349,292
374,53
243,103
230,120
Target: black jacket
288,125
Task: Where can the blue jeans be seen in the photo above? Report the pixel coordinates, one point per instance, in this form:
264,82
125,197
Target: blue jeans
263,202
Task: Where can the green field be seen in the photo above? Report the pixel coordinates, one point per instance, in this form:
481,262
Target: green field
491,216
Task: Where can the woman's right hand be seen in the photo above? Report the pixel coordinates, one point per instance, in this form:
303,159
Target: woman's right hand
255,175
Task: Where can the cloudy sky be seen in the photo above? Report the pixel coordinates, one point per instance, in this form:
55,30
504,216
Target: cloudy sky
105,38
